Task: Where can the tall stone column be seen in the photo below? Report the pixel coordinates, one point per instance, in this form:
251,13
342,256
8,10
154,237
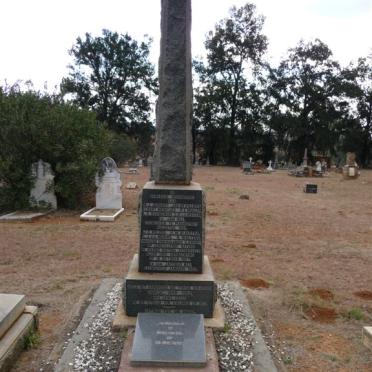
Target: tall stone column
170,274
173,146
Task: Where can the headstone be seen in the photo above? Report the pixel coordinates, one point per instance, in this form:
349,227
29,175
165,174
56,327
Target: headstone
247,166
270,168
42,194
351,169
108,195
140,163
318,166
310,188
169,340
304,164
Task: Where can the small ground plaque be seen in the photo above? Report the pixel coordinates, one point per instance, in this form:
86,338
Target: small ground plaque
175,340
310,188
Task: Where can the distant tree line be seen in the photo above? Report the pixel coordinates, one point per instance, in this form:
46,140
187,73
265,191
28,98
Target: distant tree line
243,107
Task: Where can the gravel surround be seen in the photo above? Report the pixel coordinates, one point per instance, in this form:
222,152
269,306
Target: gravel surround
234,344
102,351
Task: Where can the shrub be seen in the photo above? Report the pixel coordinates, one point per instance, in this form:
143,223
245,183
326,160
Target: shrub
40,126
122,148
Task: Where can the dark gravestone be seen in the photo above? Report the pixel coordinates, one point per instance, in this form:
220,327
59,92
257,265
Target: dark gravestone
175,340
170,296
171,231
311,188
169,292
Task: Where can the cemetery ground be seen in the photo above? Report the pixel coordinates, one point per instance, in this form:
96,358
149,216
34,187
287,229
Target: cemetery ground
304,259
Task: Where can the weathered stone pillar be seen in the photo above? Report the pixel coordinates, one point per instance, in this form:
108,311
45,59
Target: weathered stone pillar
173,146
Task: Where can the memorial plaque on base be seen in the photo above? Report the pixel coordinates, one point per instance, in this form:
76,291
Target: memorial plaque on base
169,292
169,340
160,296
171,229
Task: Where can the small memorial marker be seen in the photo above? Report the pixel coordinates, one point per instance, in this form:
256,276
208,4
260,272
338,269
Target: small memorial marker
174,340
310,188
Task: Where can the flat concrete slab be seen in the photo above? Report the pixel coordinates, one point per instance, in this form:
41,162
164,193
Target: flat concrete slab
22,216
212,358
12,343
101,215
11,308
367,337
123,321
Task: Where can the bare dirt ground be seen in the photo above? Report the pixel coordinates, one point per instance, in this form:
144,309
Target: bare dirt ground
305,259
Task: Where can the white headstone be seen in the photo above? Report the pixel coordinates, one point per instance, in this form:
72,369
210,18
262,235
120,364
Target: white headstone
270,169
318,166
42,194
108,195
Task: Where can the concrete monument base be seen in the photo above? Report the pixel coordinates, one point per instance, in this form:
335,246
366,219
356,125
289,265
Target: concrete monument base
101,215
169,292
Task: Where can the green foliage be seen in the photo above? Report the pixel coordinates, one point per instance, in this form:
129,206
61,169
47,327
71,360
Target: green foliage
37,126
111,75
122,148
355,314
31,341
303,91
227,109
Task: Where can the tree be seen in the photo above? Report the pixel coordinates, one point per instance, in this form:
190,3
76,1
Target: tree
234,49
357,135
303,92
37,126
111,75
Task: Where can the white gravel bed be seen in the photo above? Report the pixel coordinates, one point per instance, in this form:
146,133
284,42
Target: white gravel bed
234,343
102,351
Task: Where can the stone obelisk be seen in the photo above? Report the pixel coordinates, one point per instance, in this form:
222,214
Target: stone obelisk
170,273
173,145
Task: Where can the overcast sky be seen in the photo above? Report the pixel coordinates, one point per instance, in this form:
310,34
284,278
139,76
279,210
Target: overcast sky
35,35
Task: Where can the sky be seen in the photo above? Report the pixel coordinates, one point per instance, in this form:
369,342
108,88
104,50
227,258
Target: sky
35,35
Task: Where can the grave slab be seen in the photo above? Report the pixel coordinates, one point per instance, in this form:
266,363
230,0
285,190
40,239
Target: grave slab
12,343
212,358
101,215
22,216
11,307
174,340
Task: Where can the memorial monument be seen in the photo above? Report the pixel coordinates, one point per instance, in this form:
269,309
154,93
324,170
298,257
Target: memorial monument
351,170
170,273
109,198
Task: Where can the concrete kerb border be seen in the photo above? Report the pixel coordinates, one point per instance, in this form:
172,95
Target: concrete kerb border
262,360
